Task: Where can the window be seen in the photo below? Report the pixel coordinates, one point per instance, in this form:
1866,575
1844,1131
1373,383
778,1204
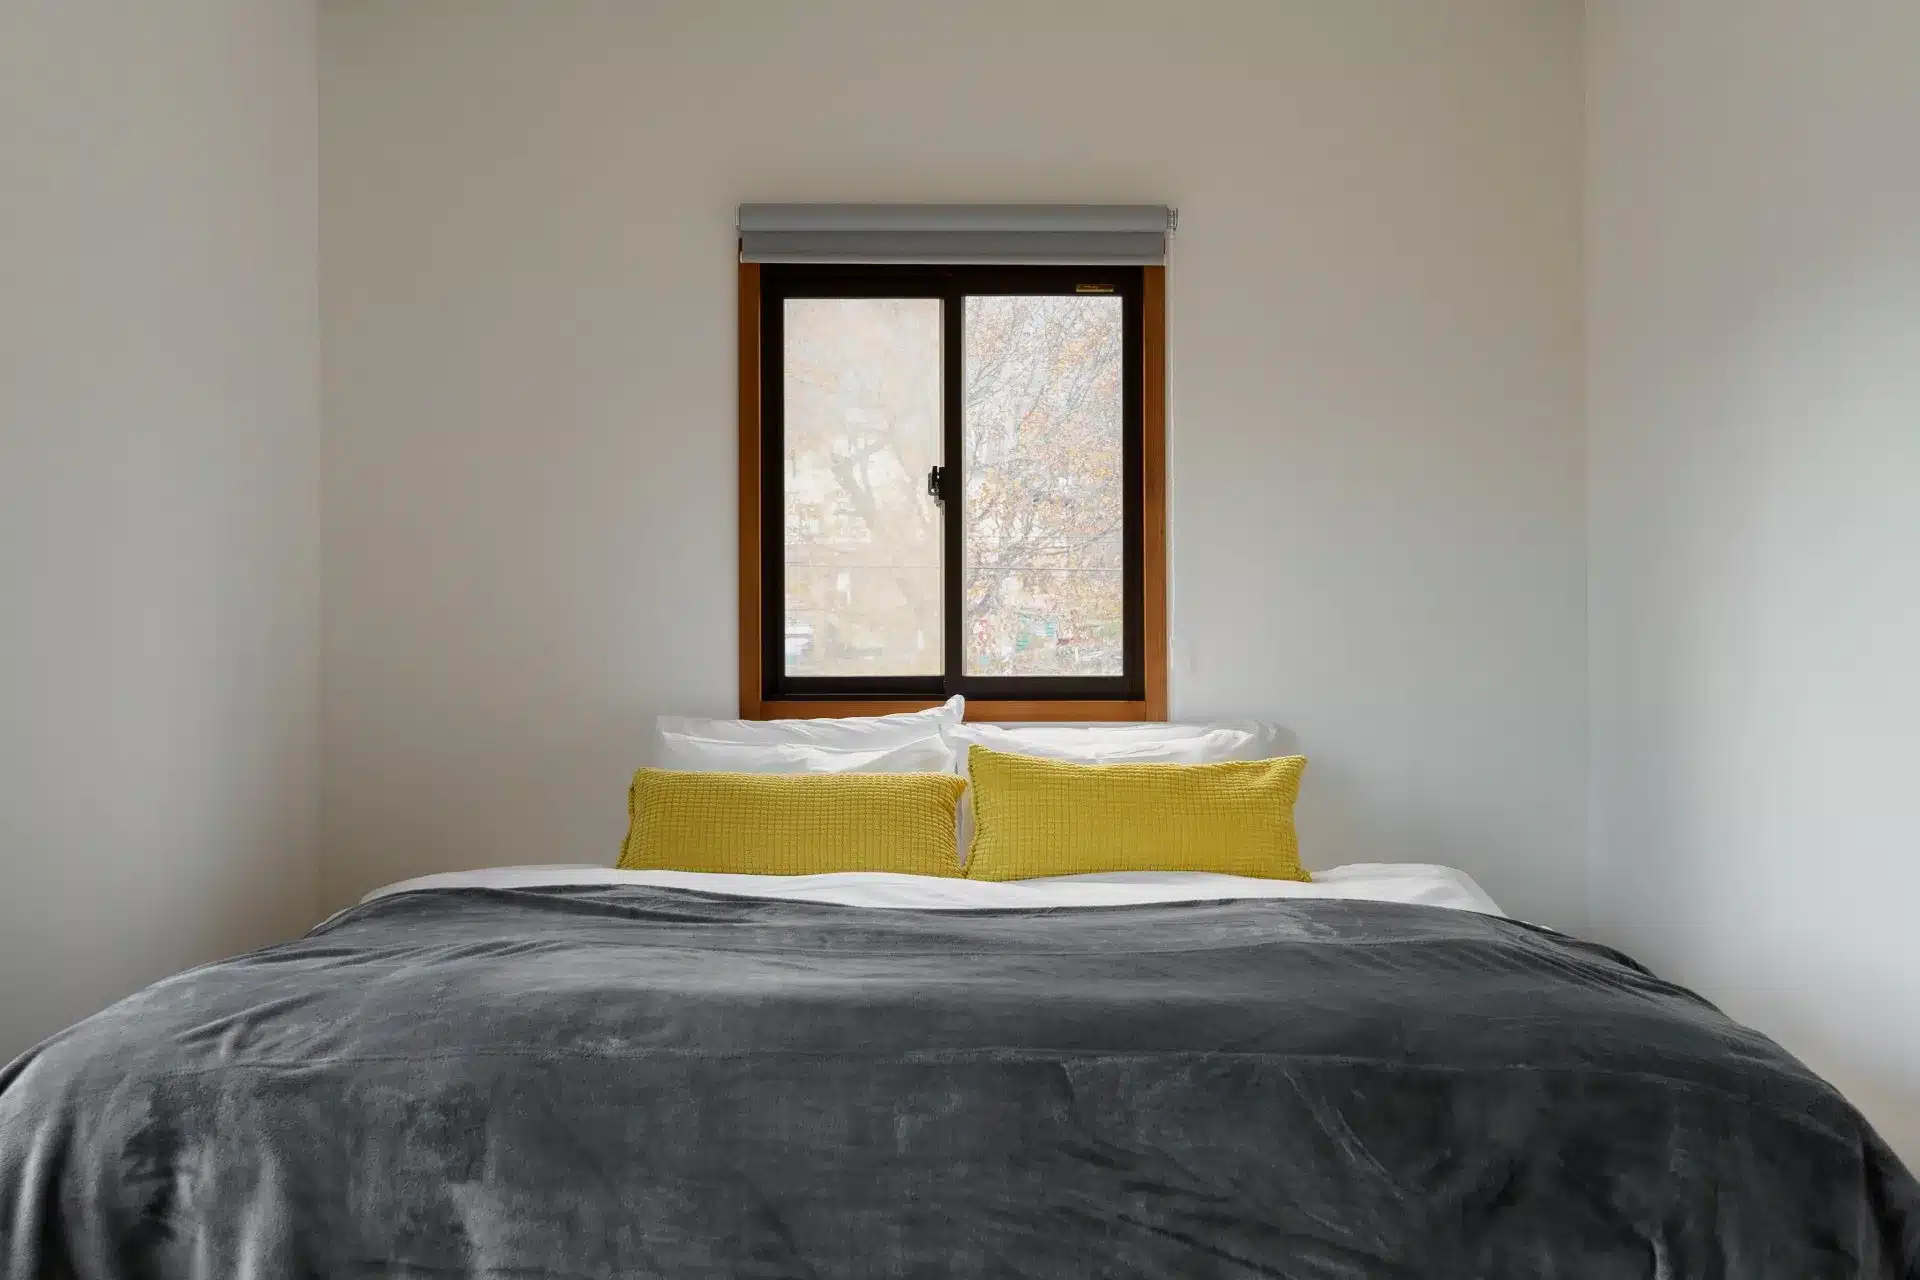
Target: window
951,483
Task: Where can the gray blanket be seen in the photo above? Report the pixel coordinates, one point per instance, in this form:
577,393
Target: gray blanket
578,1082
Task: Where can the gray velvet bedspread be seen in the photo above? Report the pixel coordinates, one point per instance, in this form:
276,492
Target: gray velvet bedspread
587,1082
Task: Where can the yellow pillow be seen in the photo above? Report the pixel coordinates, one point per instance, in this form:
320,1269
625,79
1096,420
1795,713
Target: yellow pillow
792,824
1034,817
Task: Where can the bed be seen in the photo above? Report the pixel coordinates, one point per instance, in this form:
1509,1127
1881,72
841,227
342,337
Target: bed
569,1071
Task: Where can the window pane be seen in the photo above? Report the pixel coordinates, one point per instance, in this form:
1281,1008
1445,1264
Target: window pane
862,401
1042,571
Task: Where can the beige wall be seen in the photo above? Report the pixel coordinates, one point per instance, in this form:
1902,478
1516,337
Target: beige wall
1375,348
1754,365
159,526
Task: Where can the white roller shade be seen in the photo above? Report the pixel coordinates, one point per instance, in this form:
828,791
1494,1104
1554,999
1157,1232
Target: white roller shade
1035,234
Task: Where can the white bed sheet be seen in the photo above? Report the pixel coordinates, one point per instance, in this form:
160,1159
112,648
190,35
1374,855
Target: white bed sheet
1418,883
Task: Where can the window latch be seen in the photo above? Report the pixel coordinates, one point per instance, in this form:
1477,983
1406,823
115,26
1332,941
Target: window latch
937,484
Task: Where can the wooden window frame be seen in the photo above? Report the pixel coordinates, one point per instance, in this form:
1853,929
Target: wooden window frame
755,705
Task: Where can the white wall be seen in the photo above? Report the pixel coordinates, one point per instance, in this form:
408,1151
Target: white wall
1377,467
1377,520
1378,477
158,493
1754,373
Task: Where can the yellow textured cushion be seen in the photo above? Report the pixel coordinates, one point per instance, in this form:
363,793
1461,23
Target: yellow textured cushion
792,824
1034,817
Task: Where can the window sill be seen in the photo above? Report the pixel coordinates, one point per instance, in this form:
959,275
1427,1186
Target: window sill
991,711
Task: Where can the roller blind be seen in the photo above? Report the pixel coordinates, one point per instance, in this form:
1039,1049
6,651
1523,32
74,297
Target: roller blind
1037,234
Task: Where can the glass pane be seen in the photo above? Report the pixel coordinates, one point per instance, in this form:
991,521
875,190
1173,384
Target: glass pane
1042,569
862,379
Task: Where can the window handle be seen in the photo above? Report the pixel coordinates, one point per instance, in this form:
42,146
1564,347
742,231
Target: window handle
937,484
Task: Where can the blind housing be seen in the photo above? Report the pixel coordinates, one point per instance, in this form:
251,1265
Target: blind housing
956,234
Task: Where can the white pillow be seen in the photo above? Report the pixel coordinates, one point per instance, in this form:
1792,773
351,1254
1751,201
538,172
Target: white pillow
930,754
850,733
1121,743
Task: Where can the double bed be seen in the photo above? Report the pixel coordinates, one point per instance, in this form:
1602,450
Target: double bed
570,1071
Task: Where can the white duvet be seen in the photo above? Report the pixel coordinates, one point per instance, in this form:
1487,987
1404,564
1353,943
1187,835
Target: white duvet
1417,883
